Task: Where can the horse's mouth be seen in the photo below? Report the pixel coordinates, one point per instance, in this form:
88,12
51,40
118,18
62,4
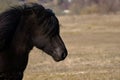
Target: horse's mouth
58,58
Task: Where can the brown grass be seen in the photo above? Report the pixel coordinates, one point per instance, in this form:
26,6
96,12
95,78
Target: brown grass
93,42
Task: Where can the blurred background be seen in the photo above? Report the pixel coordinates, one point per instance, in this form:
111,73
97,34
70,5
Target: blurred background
91,32
62,7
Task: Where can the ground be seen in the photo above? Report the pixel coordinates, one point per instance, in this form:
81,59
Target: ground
93,43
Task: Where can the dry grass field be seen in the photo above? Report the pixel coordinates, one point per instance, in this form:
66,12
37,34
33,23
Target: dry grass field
93,43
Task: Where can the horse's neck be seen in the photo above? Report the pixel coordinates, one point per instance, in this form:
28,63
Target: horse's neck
21,43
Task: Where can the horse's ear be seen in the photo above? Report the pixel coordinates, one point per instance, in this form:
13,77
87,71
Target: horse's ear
50,12
38,10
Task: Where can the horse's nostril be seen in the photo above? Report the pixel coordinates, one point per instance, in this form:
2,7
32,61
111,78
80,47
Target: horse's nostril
64,55
60,55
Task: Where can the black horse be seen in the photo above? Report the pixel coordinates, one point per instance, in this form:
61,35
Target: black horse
22,28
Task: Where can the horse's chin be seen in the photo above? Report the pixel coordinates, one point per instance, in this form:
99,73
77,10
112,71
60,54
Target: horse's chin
57,59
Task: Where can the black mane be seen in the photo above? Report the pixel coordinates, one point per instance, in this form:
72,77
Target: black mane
11,19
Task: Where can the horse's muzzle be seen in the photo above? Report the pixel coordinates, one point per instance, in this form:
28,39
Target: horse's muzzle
59,56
